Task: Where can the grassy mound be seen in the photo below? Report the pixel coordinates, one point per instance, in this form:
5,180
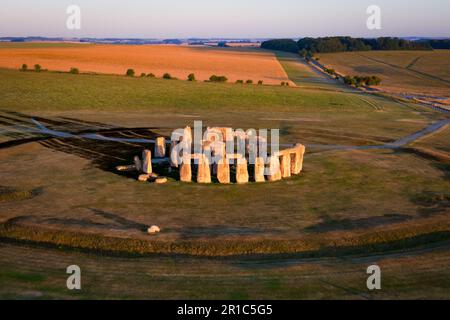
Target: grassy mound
404,236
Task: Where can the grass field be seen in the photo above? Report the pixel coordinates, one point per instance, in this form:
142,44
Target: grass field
349,209
409,72
306,77
179,61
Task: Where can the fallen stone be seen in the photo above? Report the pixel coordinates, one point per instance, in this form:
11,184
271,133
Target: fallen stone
161,180
143,177
128,168
153,230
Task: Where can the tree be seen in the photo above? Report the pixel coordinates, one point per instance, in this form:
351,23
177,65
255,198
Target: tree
249,81
151,75
191,77
330,71
130,73
287,45
372,81
24,67
143,74
240,81
349,80
37,68
260,82
167,76
74,71
215,78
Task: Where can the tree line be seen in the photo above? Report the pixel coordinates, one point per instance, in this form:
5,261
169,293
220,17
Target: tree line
344,44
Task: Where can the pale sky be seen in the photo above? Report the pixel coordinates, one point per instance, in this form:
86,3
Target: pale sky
226,18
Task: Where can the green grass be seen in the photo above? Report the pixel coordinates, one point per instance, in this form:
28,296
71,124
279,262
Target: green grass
264,106
57,91
304,75
361,198
414,275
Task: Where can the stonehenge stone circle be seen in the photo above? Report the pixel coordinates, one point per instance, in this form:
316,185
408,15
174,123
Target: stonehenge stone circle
218,154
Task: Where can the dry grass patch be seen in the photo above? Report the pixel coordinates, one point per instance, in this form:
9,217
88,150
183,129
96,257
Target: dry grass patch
415,72
179,61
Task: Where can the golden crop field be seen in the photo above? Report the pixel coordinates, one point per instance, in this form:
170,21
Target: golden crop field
179,61
410,72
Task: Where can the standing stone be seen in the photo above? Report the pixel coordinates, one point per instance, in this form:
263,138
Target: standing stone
218,152
242,171
185,169
173,155
286,165
147,162
223,171
187,135
138,164
274,169
160,147
259,170
226,133
204,171
297,160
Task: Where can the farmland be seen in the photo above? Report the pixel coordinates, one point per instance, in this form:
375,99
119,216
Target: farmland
311,236
179,61
406,72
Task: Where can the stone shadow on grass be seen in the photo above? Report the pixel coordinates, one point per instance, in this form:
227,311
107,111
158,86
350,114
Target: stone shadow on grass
120,221
331,224
103,154
431,203
219,231
115,221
